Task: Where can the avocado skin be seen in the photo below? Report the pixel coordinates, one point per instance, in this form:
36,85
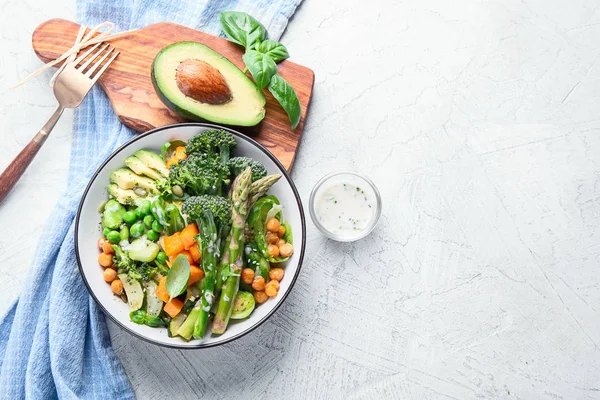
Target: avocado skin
184,112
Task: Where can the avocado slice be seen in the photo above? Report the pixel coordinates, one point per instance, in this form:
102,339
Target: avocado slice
199,83
126,179
140,168
123,196
153,160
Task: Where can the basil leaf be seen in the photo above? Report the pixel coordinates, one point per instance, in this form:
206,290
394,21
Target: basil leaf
138,316
273,49
163,150
261,66
287,97
178,276
154,321
242,29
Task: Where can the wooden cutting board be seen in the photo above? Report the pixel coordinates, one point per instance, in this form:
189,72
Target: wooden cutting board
129,88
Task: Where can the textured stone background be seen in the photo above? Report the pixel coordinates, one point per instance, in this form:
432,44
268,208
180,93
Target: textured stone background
480,122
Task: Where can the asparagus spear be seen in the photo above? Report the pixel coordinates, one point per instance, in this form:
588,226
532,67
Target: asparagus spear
260,187
239,200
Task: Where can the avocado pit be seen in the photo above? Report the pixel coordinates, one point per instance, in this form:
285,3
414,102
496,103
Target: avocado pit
202,82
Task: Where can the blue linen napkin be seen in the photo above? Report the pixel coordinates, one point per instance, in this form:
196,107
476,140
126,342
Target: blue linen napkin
54,341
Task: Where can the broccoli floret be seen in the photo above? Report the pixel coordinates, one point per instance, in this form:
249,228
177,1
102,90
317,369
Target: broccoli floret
220,208
200,174
239,164
216,141
121,260
213,217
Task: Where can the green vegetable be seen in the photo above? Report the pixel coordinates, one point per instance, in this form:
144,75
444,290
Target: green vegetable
261,186
256,261
113,237
178,276
239,200
243,305
242,29
176,323
265,208
106,231
239,164
143,250
124,233
217,141
213,217
134,292
152,235
148,220
153,303
285,94
200,174
176,222
139,214
137,229
112,217
129,217
158,211
186,330
157,227
163,150
261,66
140,317
145,207
273,49
161,257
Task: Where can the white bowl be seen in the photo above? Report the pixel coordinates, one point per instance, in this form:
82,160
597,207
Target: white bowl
87,233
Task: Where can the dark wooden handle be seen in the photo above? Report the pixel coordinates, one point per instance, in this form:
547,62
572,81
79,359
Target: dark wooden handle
13,172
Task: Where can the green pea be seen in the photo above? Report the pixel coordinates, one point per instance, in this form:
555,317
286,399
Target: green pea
157,227
148,220
129,217
106,231
161,257
138,213
146,207
113,236
137,229
124,233
152,235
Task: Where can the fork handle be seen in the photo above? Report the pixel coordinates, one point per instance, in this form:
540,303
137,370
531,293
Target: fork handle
15,169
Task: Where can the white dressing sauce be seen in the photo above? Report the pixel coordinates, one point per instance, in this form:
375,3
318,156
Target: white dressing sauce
344,209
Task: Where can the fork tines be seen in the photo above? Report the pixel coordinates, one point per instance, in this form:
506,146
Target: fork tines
96,64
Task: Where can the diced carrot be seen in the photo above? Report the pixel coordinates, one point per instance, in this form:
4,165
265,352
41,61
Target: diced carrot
184,253
161,289
196,274
180,153
195,252
171,161
173,307
173,244
187,236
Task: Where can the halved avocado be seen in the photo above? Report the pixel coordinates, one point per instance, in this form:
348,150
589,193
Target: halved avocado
199,83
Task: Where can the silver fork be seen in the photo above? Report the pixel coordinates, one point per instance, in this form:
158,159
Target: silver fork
70,88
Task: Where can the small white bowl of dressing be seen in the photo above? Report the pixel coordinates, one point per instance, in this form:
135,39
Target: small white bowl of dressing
345,206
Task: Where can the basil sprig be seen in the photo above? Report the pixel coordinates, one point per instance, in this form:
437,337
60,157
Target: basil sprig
141,318
261,57
178,276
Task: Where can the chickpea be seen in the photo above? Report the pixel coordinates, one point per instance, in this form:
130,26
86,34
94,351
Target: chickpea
281,242
105,260
273,250
276,274
247,275
107,247
258,283
101,243
271,238
281,231
109,275
273,283
273,225
117,287
260,297
271,291
286,250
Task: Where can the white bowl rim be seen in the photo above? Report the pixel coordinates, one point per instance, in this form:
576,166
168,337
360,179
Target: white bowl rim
238,135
